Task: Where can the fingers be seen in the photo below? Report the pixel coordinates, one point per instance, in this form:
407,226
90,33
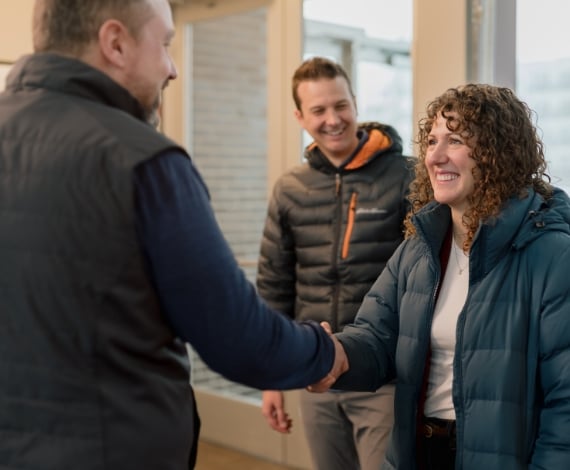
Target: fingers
340,366
327,327
272,408
283,422
279,421
323,385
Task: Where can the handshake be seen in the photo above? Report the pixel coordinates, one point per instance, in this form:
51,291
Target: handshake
340,365
273,401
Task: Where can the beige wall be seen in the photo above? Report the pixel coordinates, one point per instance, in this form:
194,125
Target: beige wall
438,50
15,29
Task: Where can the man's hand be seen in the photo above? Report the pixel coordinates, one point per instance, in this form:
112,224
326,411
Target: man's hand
273,408
340,365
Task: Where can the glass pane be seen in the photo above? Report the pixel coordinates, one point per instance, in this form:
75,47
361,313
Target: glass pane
372,40
384,93
543,78
227,131
382,19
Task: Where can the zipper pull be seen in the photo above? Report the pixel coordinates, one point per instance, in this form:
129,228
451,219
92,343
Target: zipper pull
337,183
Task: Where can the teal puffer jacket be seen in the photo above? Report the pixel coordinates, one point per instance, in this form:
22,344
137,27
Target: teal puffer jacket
511,385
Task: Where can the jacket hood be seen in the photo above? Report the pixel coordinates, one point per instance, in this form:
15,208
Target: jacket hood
542,216
519,223
375,139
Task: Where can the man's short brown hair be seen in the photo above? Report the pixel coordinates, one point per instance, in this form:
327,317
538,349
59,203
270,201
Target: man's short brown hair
315,69
68,26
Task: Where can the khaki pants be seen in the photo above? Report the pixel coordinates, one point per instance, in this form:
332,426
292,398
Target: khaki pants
348,430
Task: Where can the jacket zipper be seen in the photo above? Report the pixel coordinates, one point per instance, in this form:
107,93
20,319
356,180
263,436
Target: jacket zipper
337,183
349,225
458,373
429,320
338,190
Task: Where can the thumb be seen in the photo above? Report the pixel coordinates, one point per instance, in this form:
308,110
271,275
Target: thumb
327,327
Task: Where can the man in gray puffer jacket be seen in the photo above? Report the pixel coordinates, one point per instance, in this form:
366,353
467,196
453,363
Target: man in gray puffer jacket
332,224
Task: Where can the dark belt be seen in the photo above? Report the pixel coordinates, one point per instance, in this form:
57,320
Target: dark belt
435,427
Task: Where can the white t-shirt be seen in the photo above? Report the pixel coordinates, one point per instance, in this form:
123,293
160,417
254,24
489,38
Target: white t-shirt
452,295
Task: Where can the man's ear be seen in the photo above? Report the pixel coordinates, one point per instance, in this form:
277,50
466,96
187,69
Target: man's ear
114,40
298,115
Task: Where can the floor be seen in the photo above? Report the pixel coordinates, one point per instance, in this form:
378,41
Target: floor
213,457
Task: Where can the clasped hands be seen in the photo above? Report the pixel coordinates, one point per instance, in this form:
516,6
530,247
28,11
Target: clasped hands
340,365
273,401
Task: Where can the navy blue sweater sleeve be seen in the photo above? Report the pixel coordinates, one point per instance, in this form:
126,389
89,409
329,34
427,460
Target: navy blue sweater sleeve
204,294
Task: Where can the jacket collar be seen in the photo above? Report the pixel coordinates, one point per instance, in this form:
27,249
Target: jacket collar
375,139
518,224
70,76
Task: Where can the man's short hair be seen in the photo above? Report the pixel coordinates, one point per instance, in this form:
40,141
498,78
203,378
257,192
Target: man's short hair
317,68
68,26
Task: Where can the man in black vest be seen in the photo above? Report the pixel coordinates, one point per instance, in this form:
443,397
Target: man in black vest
111,257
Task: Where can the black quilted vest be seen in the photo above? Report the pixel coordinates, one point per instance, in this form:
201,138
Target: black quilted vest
91,376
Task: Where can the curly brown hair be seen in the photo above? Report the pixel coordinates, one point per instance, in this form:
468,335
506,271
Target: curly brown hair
504,142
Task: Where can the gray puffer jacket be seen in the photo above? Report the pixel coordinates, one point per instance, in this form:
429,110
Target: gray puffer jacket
330,231
511,371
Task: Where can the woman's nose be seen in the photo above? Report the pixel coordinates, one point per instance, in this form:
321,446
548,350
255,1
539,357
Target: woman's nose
437,153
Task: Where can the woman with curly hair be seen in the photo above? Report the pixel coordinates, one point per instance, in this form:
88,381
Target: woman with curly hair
472,313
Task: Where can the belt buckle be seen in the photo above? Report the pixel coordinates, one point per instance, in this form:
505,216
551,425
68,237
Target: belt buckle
428,431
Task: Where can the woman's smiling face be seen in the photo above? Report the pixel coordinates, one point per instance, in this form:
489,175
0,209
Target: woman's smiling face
449,165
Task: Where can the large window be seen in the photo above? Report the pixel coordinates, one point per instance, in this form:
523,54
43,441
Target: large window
524,45
372,41
228,95
543,77
227,127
